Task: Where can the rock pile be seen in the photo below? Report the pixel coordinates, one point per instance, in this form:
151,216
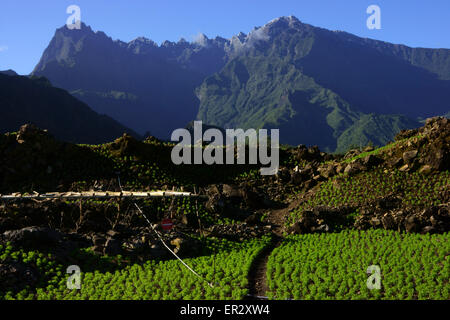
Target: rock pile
434,219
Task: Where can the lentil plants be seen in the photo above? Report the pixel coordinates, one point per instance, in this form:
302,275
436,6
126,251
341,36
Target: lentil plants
228,271
333,266
415,188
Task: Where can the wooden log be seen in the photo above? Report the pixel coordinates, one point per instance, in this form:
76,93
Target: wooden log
99,195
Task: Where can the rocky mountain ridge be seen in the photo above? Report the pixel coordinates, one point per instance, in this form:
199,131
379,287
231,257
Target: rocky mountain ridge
280,75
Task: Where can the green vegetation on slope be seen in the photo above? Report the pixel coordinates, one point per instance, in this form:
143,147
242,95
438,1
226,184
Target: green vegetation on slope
377,129
319,265
324,88
415,189
333,266
150,280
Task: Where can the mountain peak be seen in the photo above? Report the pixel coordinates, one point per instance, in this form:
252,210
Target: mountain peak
142,41
241,36
283,22
9,72
84,29
84,32
167,44
201,39
284,19
141,44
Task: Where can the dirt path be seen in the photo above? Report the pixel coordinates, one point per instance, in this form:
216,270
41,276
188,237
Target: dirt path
277,217
257,278
257,281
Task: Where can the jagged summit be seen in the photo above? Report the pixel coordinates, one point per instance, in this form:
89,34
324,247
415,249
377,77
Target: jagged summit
84,29
141,45
142,40
183,43
202,39
290,21
298,68
241,36
290,18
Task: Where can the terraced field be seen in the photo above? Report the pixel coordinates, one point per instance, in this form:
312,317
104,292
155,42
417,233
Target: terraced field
224,275
416,189
333,266
309,232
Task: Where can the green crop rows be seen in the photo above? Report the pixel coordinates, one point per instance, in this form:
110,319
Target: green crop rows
416,189
333,266
151,280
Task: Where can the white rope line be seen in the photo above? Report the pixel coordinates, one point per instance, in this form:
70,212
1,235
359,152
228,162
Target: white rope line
162,241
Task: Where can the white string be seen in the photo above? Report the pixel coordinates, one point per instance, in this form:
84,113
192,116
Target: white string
162,241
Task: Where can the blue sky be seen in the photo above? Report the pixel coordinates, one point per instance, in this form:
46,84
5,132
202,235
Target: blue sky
26,27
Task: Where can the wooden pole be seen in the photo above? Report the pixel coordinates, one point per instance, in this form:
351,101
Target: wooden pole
99,195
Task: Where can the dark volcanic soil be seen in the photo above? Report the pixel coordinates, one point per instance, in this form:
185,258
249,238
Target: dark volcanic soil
257,276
